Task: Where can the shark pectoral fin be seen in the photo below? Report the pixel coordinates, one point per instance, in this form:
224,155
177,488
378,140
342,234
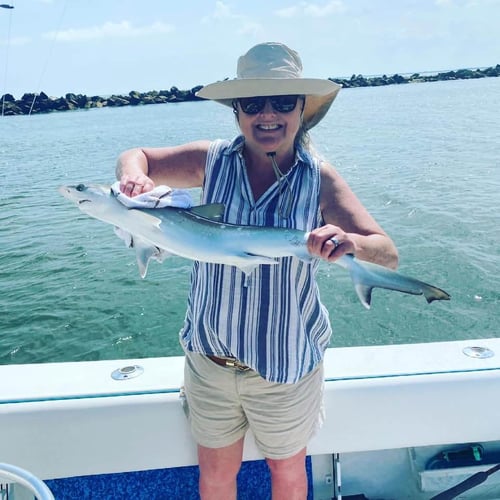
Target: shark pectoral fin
144,252
143,255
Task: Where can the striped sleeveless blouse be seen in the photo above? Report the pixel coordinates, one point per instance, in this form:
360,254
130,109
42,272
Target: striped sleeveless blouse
272,319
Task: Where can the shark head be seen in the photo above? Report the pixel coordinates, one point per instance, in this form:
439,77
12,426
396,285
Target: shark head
87,197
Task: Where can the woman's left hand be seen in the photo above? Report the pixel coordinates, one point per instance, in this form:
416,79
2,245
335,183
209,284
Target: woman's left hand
330,242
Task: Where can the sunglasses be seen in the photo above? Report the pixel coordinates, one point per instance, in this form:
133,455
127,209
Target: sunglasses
280,103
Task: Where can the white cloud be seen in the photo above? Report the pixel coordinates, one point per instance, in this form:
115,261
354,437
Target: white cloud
124,29
222,12
315,10
468,4
312,9
243,24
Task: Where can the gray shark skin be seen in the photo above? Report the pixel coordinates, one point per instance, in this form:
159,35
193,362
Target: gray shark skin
199,233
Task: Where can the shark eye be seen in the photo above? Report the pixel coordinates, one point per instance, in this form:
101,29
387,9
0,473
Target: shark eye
81,187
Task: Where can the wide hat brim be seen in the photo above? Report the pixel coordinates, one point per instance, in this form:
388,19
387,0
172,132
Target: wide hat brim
319,93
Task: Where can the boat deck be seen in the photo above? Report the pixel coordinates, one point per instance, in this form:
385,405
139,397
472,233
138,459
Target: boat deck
390,410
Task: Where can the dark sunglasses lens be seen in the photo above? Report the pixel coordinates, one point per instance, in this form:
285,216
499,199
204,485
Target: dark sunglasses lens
252,105
280,103
284,103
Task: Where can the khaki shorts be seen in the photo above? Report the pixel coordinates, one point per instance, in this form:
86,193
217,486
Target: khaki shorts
224,402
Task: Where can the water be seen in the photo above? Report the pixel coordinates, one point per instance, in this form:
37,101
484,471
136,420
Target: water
422,157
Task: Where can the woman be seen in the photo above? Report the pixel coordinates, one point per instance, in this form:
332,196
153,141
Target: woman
255,342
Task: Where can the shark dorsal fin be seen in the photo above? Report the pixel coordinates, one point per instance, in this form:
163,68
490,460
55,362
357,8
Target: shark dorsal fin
212,211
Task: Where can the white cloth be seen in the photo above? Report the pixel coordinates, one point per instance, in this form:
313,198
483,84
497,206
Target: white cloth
159,197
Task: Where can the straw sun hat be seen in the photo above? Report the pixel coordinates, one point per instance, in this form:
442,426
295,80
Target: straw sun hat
273,69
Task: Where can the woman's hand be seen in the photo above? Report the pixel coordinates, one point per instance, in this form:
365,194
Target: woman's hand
330,242
133,185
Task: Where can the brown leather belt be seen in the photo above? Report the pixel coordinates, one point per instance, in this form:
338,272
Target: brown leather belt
229,363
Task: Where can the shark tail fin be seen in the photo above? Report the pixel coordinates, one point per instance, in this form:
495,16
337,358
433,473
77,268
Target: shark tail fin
366,276
432,293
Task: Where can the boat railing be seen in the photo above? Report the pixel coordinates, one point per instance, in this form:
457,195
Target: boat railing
14,474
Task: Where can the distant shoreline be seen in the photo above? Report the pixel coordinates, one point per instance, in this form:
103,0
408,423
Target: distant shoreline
32,103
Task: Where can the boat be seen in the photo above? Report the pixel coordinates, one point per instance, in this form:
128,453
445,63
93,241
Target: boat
411,421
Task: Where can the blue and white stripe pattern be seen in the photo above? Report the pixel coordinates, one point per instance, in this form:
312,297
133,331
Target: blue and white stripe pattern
271,320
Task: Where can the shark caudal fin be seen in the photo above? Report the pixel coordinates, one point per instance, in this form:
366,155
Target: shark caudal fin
432,293
366,276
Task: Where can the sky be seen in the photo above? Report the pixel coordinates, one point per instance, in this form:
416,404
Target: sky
102,47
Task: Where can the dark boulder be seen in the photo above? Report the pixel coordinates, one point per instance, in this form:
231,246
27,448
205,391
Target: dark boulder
116,100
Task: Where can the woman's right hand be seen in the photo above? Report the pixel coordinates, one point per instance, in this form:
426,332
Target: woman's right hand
133,185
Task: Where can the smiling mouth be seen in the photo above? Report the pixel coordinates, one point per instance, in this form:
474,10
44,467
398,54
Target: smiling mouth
269,126
84,201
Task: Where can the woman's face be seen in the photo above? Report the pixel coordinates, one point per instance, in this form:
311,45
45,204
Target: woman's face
272,128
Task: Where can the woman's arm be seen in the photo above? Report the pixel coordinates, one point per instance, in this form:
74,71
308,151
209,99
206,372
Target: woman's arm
350,224
140,169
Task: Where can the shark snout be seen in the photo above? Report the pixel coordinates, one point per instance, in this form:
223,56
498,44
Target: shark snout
74,194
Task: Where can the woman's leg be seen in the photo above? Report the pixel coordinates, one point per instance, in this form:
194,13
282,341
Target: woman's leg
218,470
289,477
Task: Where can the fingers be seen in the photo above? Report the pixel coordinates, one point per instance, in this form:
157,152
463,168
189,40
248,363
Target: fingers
135,185
329,243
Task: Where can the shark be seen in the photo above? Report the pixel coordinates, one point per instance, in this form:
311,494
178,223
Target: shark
200,233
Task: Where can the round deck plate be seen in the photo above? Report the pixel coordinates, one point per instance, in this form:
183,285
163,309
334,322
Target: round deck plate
478,352
127,372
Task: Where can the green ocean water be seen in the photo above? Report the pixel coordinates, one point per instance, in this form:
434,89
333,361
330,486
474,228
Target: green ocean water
424,158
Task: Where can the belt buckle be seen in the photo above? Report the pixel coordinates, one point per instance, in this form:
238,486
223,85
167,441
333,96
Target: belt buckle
234,363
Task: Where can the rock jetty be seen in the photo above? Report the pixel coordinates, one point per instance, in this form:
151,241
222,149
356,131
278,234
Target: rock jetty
41,103
376,81
32,103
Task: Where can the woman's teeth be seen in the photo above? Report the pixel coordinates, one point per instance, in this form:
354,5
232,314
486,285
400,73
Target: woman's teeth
268,126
